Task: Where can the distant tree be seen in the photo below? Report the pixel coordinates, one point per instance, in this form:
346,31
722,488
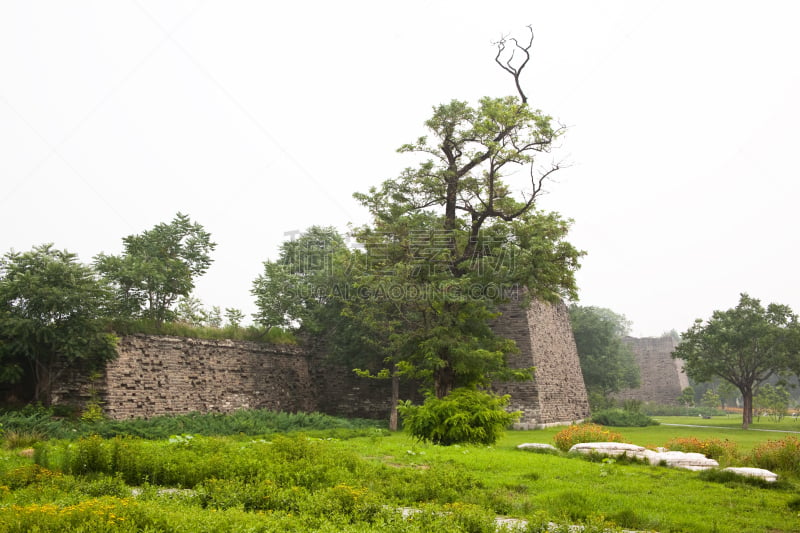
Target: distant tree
607,363
727,393
157,267
51,316
687,397
214,317
301,289
773,400
233,317
189,310
744,346
710,399
672,334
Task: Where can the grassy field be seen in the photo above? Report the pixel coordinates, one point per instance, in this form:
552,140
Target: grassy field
297,483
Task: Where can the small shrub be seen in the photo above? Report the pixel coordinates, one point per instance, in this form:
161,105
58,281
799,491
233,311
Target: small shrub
575,434
778,455
463,416
622,418
93,412
13,440
717,449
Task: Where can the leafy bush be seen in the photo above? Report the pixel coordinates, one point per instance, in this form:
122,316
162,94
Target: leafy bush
622,418
778,455
717,449
575,434
656,409
463,416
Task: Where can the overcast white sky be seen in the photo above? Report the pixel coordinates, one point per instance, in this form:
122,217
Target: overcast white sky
260,118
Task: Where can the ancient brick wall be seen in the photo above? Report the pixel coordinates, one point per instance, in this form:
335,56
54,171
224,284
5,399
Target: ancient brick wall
662,378
156,375
544,337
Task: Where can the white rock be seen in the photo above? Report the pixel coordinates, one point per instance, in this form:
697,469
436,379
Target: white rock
536,446
766,475
608,448
687,460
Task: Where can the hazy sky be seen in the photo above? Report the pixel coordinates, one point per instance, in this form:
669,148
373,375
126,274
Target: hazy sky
261,118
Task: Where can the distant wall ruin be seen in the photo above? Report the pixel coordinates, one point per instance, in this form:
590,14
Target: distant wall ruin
156,375
662,378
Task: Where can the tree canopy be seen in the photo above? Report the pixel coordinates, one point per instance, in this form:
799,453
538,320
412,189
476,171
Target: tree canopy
51,311
451,239
607,363
744,346
157,267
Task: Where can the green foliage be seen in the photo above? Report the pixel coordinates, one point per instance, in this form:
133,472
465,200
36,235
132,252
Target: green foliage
300,287
180,329
732,479
722,450
449,241
772,400
42,424
578,433
687,397
744,346
463,416
607,363
780,456
297,484
51,309
710,399
157,267
622,418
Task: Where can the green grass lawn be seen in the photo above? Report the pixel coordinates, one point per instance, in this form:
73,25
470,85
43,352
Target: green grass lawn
634,496
246,483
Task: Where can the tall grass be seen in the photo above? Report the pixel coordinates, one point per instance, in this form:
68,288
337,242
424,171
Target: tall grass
297,483
180,329
42,423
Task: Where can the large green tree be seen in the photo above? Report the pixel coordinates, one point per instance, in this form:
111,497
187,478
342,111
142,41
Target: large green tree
744,346
51,311
299,289
607,363
451,239
157,267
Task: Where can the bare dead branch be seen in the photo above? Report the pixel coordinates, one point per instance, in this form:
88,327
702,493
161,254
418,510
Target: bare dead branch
508,66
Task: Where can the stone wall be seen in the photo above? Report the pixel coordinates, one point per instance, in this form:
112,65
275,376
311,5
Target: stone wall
662,378
544,337
156,375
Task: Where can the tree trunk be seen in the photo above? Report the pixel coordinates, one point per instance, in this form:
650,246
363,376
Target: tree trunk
395,399
443,381
42,386
747,407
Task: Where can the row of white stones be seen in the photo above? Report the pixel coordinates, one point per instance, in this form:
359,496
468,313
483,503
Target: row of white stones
687,460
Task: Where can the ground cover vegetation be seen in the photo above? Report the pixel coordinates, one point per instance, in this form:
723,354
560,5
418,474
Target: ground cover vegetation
293,482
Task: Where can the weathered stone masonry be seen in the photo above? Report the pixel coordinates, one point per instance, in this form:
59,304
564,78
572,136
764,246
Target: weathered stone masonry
661,377
169,375
544,337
